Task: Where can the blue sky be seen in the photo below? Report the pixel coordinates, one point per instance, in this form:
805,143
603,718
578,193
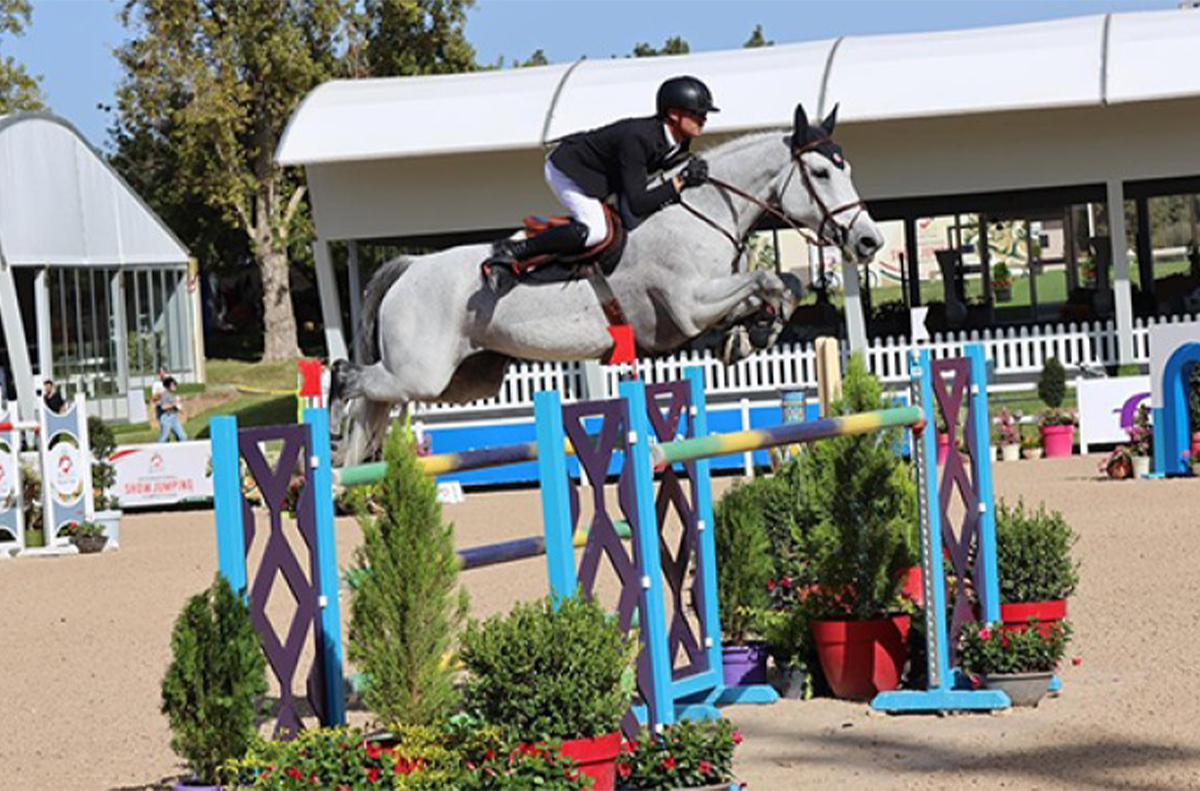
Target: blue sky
70,42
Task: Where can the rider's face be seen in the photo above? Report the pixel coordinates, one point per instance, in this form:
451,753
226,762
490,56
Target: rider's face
689,124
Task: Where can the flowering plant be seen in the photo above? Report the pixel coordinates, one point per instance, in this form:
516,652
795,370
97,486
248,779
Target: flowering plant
1118,464
1007,429
987,650
84,530
685,755
1001,276
1059,417
1141,433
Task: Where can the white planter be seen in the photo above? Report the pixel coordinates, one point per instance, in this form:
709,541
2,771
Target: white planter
1010,452
111,522
1141,466
1032,453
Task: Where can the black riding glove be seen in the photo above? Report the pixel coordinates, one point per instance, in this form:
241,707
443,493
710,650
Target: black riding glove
694,173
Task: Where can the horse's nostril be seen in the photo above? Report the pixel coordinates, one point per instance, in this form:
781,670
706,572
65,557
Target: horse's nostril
869,243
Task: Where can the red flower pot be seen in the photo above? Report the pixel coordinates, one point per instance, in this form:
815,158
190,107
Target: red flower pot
1058,441
943,447
862,658
913,585
597,758
1196,445
1016,617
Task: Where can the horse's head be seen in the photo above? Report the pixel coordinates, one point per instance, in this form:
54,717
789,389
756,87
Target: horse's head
817,191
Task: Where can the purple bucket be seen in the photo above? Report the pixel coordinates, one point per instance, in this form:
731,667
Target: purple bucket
745,665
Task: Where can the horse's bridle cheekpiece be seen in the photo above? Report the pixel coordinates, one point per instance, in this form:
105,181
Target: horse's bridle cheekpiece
831,151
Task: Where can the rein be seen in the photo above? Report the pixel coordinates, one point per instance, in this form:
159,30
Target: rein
827,215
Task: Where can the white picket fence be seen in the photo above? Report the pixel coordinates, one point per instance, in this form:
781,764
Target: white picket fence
1017,353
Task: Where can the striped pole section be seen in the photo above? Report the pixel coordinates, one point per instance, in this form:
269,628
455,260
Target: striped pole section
785,434
520,548
443,463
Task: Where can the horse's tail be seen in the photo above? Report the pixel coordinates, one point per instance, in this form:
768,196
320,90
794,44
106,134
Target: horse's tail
383,279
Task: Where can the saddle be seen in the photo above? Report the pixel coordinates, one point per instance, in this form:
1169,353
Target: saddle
555,268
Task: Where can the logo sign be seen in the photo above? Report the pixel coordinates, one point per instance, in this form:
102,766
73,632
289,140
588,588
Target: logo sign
66,473
1107,408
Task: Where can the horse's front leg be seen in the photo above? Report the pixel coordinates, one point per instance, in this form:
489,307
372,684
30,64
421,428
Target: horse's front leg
734,296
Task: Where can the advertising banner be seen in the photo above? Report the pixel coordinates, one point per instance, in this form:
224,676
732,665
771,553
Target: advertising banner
162,474
1107,408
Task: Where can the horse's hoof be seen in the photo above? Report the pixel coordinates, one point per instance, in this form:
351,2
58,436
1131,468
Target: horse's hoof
736,346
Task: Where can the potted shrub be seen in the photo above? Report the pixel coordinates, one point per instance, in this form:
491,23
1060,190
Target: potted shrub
858,504
1057,425
1034,565
1002,282
744,567
786,628
1008,435
555,669
1194,409
688,755
215,682
87,537
1118,464
406,605
107,507
1021,664
1031,446
1141,441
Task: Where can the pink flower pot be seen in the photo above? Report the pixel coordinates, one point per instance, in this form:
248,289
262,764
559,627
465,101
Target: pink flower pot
1058,441
943,447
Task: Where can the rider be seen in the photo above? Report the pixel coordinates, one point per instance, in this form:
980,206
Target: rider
587,167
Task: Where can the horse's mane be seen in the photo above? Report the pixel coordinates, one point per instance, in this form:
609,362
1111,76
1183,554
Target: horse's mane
738,144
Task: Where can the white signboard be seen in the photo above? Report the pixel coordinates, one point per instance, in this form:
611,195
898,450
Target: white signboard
1107,407
162,474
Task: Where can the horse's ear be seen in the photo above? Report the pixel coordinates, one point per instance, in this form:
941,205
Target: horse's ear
830,121
800,122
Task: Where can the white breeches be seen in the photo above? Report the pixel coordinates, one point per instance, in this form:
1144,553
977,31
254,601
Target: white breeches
582,207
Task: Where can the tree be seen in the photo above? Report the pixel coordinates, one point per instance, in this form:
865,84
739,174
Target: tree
18,89
757,39
207,92
675,45
406,605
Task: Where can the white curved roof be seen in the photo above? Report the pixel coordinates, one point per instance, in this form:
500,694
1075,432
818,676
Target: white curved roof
1081,61
61,204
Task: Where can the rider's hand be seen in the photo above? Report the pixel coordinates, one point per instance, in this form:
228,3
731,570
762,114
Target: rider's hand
694,173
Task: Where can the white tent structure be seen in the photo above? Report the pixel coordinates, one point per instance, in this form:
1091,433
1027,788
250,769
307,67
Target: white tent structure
1091,105
94,289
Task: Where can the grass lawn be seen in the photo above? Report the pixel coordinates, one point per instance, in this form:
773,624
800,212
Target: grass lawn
258,403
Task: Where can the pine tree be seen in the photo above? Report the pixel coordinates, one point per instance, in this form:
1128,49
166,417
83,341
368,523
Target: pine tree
858,504
407,606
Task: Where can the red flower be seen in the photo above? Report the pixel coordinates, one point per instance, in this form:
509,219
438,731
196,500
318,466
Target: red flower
624,770
1076,661
294,773
668,763
705,767
786,582
975,682
737,737
629,746
770,585
374,751
372,775
985,634
403,766
489,755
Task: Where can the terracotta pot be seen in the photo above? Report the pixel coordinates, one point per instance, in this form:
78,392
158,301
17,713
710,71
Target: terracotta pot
862,658
597,758
1016,617
1023,689
1058,441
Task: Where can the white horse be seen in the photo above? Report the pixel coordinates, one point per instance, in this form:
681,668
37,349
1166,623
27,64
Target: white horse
437,333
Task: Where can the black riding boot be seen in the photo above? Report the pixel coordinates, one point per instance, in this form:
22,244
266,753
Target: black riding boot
508,253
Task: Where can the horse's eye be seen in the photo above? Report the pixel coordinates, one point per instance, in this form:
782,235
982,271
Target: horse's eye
821,173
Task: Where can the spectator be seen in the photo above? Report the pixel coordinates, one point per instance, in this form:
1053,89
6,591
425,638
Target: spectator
52,398
156,391
170,410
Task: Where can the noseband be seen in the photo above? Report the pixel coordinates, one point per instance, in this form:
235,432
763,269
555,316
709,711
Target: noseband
828,216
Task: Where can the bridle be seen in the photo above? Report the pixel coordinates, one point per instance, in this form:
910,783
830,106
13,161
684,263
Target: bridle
828,215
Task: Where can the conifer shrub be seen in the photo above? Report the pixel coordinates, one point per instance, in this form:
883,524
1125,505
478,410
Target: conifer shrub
857,503
215,682
1033,554
1052,384
406,605
743,556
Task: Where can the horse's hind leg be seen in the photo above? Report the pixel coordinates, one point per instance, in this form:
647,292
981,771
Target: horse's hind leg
368,428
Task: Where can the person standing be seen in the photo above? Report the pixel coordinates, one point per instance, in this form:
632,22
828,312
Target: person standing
156,391
52,398
170,410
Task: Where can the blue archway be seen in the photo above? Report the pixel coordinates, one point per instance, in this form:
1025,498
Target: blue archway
1172,430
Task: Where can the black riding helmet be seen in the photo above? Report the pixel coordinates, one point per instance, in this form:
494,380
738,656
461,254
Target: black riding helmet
685,93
